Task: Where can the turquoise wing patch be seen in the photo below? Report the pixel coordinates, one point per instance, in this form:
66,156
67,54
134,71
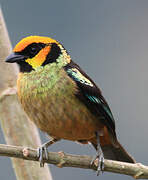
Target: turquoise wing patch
99,101
89,94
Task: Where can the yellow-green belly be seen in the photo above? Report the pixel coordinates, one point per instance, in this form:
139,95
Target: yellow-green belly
52,105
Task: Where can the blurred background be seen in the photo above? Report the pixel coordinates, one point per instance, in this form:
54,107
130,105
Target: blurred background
109,40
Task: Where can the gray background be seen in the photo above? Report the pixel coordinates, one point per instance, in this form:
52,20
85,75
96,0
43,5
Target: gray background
109,40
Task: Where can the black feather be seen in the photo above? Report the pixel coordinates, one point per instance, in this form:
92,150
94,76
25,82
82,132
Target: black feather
91,96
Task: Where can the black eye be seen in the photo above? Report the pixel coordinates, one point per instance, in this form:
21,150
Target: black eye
33,49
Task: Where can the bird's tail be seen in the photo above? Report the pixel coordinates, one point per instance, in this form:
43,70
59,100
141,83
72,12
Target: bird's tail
117,152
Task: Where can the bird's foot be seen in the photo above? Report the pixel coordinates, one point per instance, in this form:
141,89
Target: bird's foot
42,154
100,167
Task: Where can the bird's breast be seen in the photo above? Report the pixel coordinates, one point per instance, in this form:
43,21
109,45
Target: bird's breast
48,97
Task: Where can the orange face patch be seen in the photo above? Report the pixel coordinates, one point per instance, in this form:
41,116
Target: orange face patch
32,39
38,60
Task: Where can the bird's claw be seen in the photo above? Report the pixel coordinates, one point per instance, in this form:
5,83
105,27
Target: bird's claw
100,164
42,154
100,167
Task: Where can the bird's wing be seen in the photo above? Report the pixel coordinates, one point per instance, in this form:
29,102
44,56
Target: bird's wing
91,96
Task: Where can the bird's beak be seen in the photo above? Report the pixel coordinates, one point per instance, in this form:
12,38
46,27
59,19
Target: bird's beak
15,58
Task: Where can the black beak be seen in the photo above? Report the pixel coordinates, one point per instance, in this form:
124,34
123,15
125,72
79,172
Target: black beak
14,57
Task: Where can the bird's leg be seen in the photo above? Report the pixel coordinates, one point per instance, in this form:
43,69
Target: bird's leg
42,151
99,156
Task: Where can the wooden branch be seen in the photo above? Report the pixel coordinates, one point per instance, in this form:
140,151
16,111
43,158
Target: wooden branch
15,125
61,159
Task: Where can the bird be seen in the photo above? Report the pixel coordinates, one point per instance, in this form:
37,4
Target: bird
63,101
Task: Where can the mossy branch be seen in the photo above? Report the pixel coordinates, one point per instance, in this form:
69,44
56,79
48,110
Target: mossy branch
61,159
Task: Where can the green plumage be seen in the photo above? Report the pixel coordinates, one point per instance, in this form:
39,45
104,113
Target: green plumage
48,97
62,100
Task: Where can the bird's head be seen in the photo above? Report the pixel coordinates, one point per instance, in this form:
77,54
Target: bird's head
36,51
